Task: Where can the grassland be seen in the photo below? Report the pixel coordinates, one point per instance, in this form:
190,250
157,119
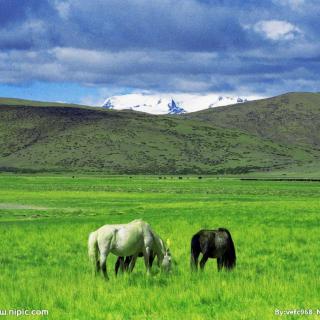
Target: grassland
278,134
289,119
45,221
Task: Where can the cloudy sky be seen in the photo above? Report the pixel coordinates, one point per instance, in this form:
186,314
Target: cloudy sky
84,51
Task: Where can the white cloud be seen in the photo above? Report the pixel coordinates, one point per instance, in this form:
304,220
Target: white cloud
293,4
91,101
63,9
277,29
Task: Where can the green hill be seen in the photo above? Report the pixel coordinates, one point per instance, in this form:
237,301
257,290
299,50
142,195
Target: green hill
292,118
44,136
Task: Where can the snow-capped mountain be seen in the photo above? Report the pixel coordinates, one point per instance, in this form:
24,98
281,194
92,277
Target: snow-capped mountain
174,109
171,103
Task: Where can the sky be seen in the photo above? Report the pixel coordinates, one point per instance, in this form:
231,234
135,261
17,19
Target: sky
84,51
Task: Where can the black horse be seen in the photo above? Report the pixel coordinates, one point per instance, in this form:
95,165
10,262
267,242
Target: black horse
124,262
213,244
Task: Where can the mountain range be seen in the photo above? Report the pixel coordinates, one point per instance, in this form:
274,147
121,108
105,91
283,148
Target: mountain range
171,103
280,134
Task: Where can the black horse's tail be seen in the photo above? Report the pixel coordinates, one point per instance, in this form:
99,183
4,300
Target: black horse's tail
228,260
195,251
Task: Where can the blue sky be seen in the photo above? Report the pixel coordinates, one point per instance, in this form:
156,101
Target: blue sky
83,51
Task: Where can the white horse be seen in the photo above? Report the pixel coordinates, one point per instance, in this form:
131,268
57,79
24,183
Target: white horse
126,240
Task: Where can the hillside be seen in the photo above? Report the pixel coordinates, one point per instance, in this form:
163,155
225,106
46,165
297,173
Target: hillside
292,118
58,137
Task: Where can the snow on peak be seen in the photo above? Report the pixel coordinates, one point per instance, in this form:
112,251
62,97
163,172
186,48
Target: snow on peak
174,108
171,103
107,104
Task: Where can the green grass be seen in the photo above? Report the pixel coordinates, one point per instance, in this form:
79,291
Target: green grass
290,119
34,103
45,221
264,136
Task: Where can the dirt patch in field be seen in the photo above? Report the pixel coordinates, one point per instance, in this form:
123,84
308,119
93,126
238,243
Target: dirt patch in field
16,206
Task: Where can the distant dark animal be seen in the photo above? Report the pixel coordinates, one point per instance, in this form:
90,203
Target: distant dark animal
124,262
213,244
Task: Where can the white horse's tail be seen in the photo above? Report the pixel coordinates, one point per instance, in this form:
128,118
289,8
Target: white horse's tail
93,250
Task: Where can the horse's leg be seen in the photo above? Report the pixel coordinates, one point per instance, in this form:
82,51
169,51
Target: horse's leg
127,263
122,265
97,268
220,263
194,260
132,263
103,262
204,260
119,264
146,255
151,258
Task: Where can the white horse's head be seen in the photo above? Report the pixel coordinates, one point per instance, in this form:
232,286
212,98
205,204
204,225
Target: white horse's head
166,261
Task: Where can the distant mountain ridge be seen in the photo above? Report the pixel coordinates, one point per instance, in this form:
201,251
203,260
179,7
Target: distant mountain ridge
280,133
171,103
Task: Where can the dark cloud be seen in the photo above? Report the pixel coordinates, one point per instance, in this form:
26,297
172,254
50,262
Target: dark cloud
162,45
163,25
15,12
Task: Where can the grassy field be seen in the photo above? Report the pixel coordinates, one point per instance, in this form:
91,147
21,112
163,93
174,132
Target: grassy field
45,221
